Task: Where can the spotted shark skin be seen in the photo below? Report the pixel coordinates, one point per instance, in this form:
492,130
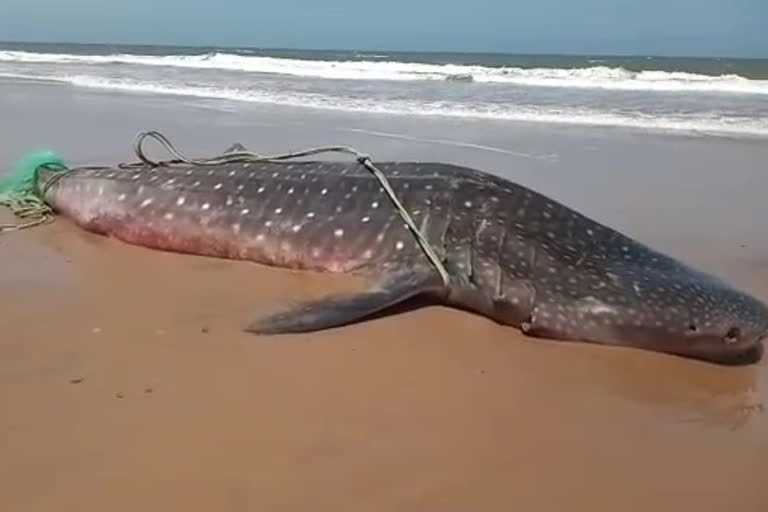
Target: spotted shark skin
513,255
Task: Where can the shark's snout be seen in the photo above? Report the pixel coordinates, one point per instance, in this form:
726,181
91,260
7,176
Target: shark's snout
749,353
734,330
696,317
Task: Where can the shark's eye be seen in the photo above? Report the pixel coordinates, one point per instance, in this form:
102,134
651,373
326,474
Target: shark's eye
733,335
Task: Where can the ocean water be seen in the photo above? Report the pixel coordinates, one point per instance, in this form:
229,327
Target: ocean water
726,96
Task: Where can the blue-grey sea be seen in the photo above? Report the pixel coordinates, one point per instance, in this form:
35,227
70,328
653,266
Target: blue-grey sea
712,95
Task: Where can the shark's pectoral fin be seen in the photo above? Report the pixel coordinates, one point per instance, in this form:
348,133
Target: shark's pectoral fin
335,311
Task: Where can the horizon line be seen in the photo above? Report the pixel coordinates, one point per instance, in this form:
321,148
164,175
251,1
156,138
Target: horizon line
383,50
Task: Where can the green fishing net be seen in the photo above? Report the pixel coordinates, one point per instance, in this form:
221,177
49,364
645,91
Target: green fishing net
19,191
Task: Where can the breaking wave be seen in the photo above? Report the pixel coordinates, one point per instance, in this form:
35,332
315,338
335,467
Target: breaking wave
594,77
552,114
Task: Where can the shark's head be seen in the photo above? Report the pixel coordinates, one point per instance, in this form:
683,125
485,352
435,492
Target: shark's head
679,311
726,327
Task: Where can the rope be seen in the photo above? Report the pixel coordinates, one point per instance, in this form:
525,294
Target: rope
248,156
31,205
24,209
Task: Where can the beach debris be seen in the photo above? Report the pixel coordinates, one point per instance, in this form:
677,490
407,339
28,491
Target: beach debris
460,77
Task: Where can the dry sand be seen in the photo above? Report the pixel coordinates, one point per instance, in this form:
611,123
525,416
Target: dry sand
126,383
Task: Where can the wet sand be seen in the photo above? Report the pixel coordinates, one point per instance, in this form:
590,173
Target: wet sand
127,384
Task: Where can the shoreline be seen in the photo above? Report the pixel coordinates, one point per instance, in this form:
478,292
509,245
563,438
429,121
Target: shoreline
224,105
637,127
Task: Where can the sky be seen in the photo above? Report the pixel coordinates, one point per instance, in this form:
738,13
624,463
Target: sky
646,27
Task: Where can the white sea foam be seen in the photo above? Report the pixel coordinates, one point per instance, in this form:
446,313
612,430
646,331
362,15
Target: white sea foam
564,115
595,77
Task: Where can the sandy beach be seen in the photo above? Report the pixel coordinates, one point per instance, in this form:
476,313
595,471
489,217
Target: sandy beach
126,382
